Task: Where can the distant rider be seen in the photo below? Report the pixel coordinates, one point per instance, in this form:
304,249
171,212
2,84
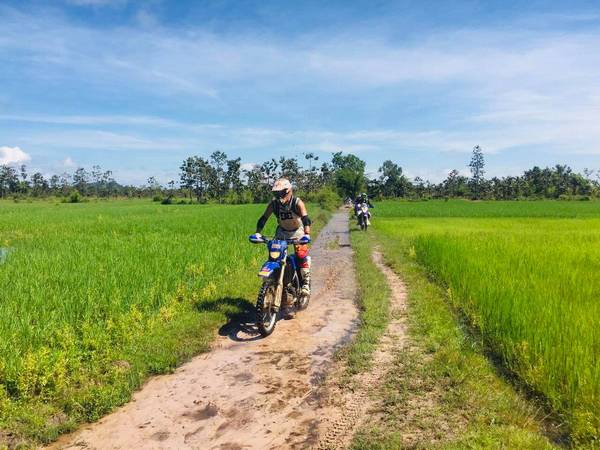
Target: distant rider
293,223
362,198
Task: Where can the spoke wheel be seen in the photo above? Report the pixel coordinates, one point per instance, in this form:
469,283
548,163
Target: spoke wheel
266,316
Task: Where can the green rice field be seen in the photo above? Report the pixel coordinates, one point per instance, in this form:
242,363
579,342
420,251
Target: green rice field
526,275
95,297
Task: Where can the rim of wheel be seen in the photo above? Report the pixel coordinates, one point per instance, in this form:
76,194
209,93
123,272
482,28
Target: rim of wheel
269,316
268,319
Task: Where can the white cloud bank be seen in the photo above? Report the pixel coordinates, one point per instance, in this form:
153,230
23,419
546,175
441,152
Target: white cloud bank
13,155
502,88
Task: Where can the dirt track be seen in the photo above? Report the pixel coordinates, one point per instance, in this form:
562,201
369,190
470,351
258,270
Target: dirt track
248,393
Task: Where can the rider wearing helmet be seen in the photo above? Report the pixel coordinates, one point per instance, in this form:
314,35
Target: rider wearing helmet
362,198
358,202
293,223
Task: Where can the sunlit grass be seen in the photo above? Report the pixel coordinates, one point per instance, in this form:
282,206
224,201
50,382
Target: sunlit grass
94,297
530,285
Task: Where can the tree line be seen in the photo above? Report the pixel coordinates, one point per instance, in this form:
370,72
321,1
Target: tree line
220,179
558,182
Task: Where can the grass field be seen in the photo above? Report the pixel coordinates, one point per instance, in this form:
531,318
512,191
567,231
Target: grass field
440,391
95,297
525,274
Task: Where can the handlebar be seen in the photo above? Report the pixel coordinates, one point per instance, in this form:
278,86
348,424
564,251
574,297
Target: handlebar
266,240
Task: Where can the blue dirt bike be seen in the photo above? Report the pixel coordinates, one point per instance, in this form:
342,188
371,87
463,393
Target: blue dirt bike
281,277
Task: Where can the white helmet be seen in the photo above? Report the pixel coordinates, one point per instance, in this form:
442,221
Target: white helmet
281,187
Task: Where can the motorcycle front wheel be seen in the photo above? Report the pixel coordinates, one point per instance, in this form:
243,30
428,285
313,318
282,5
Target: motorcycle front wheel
266,315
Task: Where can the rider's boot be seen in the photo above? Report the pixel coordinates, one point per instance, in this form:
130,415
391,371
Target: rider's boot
305,273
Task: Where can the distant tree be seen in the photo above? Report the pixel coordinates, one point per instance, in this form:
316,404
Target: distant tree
96,180
221,179
216,174
326,174
171,189
23,172
233,175
65,183
256,183
196,176
289,168
269,171
54,184
9,180
311,181
154,187
310,157
81,180
108,185
23,186
374,188
419,187
455,185
349,174
477,165
393,182
39,185
188,174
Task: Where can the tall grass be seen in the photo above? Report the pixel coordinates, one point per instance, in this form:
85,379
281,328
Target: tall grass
466,208
94,297
530,285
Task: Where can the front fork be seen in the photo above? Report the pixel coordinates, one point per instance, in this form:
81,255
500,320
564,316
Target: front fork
279,289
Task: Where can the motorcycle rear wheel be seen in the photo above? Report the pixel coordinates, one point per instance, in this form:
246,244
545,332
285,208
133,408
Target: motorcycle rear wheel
266,315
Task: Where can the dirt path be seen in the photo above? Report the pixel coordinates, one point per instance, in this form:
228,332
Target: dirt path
248,393
345,409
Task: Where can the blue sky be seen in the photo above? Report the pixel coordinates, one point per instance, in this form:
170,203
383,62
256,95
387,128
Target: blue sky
136,86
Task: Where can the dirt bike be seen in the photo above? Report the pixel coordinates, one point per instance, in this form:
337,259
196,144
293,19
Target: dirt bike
364,216
281,277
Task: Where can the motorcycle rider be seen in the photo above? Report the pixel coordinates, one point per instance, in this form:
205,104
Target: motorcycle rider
292,223
362,198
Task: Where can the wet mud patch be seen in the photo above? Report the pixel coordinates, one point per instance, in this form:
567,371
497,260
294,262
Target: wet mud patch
204,413
160,436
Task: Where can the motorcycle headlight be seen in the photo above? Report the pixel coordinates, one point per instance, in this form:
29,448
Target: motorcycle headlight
274,255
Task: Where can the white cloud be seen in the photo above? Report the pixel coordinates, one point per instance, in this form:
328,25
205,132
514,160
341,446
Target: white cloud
505,88
68,162
13,155
529,87
185,136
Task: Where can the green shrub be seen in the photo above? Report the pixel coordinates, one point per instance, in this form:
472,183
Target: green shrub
325,197
73,197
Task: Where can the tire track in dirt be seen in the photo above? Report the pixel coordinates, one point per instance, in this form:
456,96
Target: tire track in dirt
248,393
346,409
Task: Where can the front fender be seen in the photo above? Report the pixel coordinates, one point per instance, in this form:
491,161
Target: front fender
268,269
